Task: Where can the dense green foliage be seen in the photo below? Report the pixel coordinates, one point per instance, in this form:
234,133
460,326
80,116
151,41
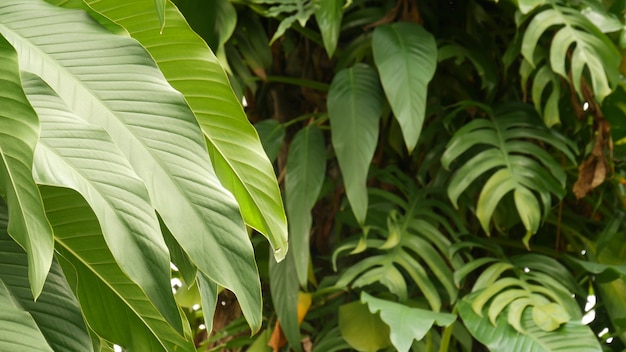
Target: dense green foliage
452,173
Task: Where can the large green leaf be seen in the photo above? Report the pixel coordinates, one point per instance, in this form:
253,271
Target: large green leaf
75,154
572,336
56,312
234,146
592,50
19,131
306,168
406,57
405,324
355,102
114,307
111,81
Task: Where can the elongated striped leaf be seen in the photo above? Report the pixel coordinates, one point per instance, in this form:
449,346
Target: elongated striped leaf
19,131
56,312
234,146
284,288
72,153
306,168
572,336
19,330
103,290
355,102
406,57
112,82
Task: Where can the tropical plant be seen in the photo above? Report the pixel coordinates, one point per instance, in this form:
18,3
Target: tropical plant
107,179
452,173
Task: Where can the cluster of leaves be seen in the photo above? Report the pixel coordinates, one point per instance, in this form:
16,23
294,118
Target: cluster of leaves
119,157
451,171
448,169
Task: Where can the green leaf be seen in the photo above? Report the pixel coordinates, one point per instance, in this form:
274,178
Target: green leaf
291,10
521,166
355,102
406,57
151,124
19,330
526,6
550,316
56,312
234,146
571,336
543,78
592,51
328,17
213,20
272,135
105,293
362,330
284,289
75,154
208,295
406,324
160,10
19,132
306,169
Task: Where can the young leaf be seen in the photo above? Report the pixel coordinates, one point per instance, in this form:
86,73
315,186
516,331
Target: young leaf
306,168
19,132
406,57
355,102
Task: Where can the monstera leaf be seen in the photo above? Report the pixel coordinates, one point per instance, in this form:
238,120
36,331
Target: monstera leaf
521,167
412,242
531,282
571,336
592,50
